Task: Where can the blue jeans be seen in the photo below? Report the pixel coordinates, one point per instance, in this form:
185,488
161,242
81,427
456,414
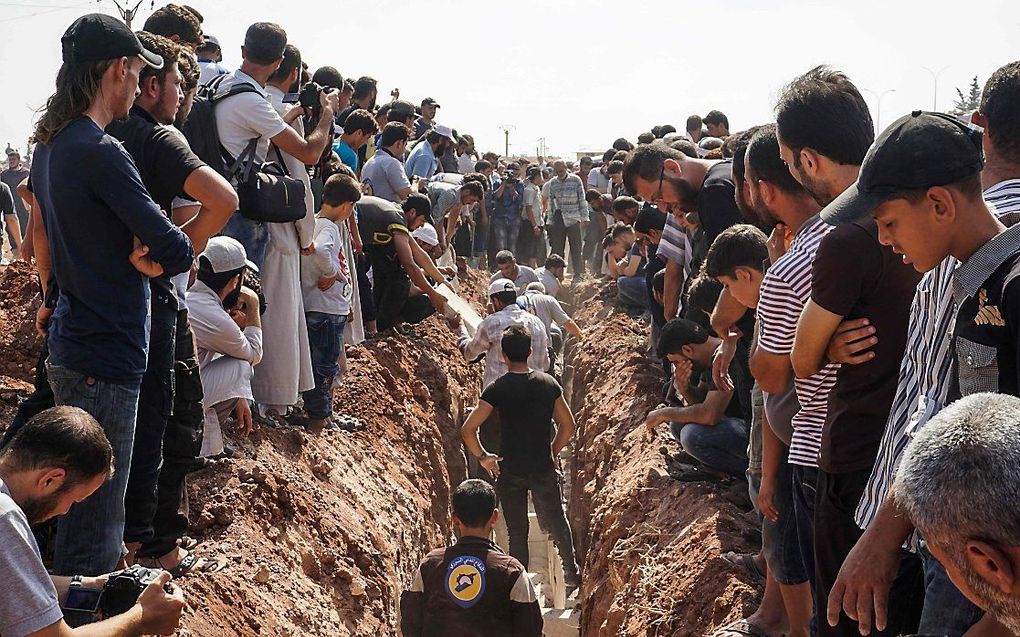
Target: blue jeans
253,235
633,291
90,536
780,539
325,339
504,233
722,447
946,610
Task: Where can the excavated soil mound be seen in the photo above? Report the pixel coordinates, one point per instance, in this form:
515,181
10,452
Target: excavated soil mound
651,546
321,532
19,300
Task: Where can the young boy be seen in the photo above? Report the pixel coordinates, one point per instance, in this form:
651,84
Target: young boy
359,127
929,206
472,587
527,403
327,289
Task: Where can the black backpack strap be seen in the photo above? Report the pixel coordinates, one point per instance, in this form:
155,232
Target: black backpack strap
242,166
279,156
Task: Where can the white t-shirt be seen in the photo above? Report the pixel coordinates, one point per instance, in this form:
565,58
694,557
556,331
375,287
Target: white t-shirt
244,117
533,198
466,163
327,260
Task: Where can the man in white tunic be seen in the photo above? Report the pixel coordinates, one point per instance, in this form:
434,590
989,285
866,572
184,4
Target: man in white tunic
286,367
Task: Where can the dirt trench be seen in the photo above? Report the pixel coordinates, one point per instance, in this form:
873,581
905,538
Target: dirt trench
321,533
650,545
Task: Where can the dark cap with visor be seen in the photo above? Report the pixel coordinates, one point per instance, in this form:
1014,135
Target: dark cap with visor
96,37
918,151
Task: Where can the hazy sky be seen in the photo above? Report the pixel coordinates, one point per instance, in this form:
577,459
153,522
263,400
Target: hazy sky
579,74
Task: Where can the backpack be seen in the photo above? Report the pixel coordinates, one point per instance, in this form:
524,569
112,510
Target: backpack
200,127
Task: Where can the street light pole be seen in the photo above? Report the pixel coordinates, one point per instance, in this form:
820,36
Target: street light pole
127,15
878,108
935,88
506,128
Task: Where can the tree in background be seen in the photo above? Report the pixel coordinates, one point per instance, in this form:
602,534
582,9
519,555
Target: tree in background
967,104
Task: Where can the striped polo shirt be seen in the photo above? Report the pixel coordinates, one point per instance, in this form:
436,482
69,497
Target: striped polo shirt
926,371
784,292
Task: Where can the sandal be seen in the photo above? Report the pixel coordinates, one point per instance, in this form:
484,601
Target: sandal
744,561
187,543
190,564
740,629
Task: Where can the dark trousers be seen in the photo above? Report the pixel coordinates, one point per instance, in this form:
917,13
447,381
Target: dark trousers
548,498
365,288
155,403
559,234
836,500
182,442
593,243
391,287
38,401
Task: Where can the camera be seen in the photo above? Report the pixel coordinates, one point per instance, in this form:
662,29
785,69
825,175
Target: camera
309,98
509,177
123,588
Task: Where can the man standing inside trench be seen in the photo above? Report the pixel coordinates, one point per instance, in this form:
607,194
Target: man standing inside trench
527,401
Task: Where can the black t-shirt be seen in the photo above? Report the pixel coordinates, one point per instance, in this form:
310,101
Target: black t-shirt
378,219
525,406
740,403
857,277
13,179
164,160
717,209
162,155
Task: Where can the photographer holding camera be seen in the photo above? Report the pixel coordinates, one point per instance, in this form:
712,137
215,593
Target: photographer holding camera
506,216
61,456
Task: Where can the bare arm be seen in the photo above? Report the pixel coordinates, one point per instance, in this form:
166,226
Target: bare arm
218,200
671,288
425,262
632,265
309,149
772,371
572,327
405,253
41,247
726,314
814,331
451,221
564,425
708,412
469,430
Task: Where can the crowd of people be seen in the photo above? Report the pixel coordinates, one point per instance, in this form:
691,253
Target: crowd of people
831,310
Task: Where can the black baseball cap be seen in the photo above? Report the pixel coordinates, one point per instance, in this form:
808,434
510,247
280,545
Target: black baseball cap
96,37
918,151
428,101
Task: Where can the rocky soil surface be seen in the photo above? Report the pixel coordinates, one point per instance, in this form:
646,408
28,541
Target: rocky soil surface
322,532
651,546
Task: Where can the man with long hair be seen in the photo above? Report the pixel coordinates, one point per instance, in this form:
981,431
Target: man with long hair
106,238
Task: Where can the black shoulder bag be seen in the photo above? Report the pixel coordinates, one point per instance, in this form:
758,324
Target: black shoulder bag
266,192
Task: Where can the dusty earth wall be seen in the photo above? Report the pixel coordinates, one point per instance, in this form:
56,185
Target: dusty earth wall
321,532
650,545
